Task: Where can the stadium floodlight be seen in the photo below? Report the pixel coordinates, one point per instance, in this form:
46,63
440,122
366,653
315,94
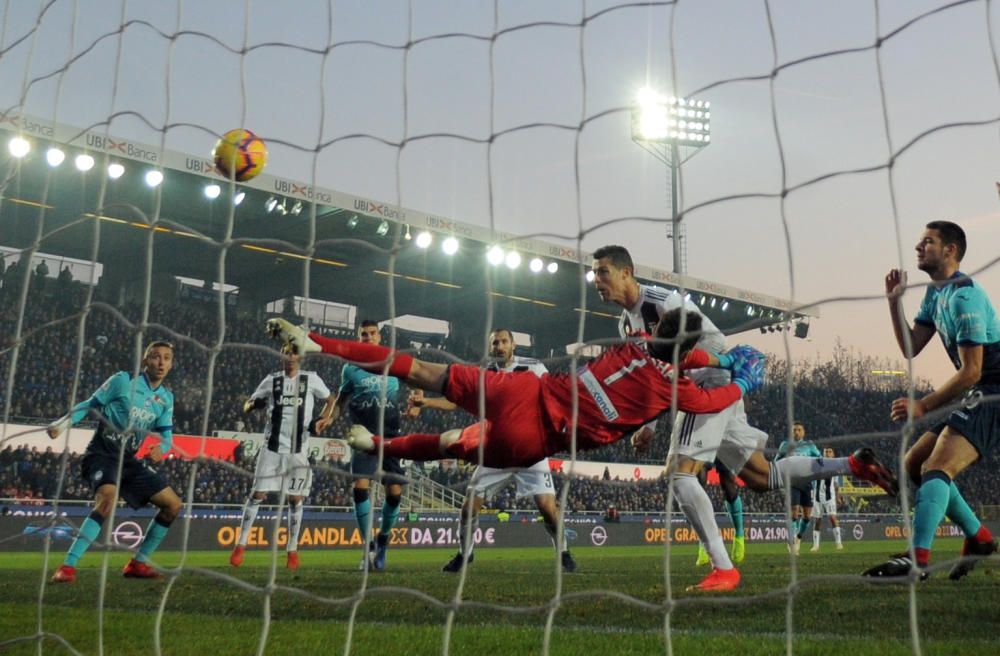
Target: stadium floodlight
589,276
712,302
424,239
664,125
383,228
512,259
449,246
54,156
271,203
84,163
238,198
154,178
18,147
352,222
725,305
536,264
296,208
495,255
407,235
212,191
552,267
115,170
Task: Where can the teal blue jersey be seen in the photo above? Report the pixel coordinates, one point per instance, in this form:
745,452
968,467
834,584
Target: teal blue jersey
129,410
365,391
800,448
962,314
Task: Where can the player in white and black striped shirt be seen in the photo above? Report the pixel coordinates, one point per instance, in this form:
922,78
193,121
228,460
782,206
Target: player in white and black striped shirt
282,465
826,498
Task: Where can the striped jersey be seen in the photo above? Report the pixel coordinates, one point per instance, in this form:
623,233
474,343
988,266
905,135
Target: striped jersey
518,363
652,304
290,404
825,489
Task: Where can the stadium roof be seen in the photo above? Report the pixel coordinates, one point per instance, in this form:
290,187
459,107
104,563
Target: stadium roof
351,261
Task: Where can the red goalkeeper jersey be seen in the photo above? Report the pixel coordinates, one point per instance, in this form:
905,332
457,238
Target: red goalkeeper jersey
623,389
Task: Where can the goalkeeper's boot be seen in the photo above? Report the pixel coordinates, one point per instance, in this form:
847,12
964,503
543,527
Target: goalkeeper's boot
866,466
719,580
65,574
360,439
898,566
739,551
236,558
972,552
455,564
294,336
135,569
292,560
568,563
381,547
702,559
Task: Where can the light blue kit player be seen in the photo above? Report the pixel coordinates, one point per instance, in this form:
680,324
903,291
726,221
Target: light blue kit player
957,309
128,409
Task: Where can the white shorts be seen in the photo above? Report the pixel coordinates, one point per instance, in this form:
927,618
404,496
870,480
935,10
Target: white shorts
292,468
725,435
532,481
824,509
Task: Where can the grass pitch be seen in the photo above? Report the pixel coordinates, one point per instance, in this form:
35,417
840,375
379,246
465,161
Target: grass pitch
614,604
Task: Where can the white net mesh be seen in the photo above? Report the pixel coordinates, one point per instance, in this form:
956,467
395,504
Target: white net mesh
841,130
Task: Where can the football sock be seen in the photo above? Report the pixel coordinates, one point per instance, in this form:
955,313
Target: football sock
932,501
816,536
837,535
88,532
697,508
415,446
390,511
735,509
371,357
154,536
295,525
250,509
959,512
801,469
362,508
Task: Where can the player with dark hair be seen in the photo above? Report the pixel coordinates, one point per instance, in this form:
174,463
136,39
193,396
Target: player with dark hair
958,309
128,409
289,397
534,481
362,393
801,495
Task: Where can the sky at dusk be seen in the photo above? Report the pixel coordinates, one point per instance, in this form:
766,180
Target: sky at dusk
822,171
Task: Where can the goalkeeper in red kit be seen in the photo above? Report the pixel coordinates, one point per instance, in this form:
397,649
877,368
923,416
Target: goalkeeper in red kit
529,417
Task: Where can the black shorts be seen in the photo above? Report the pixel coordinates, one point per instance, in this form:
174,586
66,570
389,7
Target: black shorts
978,420
802,496
139,482
364,465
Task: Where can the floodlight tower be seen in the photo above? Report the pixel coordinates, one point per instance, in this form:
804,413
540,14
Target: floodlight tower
673,130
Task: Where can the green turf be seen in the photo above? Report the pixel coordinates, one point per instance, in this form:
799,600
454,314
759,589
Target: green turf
507,597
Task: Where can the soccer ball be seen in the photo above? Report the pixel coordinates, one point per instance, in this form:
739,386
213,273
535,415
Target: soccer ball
240,155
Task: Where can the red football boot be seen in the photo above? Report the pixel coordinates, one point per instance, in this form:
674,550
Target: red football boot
236,558
138,570
866,466
719,580
293,560
65,574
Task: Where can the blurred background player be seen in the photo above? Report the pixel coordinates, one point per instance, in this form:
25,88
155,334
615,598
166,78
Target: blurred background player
282,464
826,498
801,494
361,392
696,439
127,409
535,481
957,309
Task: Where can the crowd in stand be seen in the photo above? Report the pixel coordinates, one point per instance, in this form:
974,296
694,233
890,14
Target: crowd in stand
841,403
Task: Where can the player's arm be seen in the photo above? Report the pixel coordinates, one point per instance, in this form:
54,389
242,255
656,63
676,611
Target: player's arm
418,400
327,414
116,385
923,328
968,375
258,399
